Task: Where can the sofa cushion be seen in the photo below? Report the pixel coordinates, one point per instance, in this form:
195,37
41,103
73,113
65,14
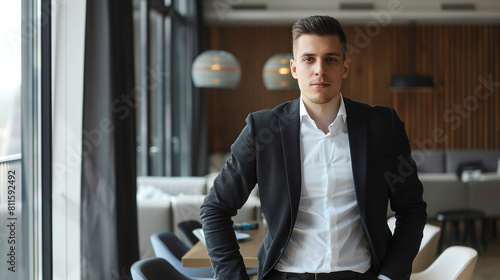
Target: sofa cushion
488,158
484,194
443,192
151,192
429,161
153,215
175,185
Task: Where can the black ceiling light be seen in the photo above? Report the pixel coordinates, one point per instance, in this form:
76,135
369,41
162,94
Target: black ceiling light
411,82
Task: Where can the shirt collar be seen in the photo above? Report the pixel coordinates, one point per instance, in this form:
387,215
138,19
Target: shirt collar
342,112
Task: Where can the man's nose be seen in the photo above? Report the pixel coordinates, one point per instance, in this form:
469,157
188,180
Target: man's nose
320,69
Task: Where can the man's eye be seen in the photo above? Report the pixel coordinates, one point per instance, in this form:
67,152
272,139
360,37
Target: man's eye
332,59
307,59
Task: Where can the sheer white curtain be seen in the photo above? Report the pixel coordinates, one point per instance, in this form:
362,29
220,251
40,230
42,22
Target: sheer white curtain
68,40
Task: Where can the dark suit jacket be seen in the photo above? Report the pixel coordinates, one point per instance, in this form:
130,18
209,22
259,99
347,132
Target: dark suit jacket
267,152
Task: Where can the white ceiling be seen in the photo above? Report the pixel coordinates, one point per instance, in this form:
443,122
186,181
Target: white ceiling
285,12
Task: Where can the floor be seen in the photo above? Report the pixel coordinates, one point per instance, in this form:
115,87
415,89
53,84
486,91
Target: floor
488,262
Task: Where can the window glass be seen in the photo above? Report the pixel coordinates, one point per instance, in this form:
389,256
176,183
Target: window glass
156,78
13,264
153,82
10,78
181,6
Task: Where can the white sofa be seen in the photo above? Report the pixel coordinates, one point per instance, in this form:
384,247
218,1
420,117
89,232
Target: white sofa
444,190
164,202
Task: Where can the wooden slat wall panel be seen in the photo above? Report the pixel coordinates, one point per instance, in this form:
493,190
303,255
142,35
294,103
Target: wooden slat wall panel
228,108
463,109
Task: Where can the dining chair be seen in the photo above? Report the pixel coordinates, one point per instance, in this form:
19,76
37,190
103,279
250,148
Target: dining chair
168,246
455,263
155,269
186,231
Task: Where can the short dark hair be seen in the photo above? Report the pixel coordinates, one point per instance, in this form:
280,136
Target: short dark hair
319,25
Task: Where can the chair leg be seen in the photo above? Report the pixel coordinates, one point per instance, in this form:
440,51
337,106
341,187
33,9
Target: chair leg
494,228
467,231
472,233
442,236
483,233
455,232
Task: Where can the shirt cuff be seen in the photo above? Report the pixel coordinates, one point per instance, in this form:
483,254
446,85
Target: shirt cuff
383,277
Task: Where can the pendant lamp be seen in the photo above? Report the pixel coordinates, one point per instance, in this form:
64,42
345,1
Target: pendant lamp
411,82
215,69
276,73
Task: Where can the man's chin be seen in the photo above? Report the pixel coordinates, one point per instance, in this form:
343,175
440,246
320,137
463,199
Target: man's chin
320,101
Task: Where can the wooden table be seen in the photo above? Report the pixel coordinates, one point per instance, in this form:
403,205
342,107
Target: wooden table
198,255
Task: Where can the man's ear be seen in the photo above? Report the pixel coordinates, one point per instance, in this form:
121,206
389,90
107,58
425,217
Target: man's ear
293,68
347,65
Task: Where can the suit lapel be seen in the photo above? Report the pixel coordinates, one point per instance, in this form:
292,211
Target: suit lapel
289,124
357,130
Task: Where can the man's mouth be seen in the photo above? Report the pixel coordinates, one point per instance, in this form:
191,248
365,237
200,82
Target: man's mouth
320,84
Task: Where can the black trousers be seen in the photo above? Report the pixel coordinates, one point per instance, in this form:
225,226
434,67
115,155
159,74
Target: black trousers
340,275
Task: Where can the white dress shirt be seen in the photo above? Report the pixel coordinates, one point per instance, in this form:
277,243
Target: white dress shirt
328,234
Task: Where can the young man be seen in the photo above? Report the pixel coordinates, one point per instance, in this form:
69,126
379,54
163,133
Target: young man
326,168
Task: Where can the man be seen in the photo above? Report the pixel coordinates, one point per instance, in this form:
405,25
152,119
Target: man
326,167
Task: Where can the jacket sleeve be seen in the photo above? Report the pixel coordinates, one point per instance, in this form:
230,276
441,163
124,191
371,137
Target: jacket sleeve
405,194
230,191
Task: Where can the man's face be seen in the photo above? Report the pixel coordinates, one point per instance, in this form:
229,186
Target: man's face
319,66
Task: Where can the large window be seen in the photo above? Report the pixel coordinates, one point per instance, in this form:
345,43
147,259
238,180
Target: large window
164,92
21,109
